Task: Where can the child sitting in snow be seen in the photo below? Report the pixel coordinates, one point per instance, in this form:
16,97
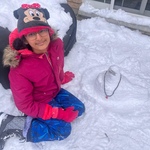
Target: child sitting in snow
36,58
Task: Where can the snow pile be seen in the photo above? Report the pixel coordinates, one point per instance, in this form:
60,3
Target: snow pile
119,14
120,122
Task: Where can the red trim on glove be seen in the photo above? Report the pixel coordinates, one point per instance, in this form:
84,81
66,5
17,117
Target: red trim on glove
50,112
55,112
47,113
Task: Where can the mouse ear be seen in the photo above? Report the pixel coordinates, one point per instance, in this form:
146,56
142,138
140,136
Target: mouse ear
46,13
16,14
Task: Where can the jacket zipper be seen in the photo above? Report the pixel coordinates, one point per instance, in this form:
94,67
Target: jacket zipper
48,59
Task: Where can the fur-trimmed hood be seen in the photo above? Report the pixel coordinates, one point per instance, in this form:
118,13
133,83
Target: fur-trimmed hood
13,57
10,57
16,48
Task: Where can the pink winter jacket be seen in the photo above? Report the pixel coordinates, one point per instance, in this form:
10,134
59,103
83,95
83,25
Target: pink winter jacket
37,79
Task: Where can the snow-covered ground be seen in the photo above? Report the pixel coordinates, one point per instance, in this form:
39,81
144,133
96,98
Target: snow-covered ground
121,122
119,14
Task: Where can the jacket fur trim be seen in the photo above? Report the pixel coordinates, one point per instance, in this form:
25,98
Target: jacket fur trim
10,57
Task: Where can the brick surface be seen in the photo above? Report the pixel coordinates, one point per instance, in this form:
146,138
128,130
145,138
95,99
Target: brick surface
75,1
74,5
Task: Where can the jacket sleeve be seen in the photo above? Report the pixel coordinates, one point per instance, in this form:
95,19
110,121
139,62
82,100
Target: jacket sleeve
22,90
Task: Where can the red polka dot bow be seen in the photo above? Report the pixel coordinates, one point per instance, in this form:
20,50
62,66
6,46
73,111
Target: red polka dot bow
34,5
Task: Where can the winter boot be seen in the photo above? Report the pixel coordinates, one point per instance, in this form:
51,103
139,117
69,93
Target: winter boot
8,134
10,126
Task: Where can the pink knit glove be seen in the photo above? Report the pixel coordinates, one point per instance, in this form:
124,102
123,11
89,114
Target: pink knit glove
67,114
68,76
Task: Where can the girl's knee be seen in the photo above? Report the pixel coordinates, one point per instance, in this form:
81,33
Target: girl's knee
49,130
81,109
64,133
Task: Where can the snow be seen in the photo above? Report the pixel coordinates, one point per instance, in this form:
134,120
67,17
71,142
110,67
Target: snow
121,122
119,14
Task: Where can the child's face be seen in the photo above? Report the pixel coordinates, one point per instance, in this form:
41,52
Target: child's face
39,41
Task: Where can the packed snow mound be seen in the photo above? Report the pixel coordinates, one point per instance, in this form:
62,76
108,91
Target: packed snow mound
7,102
119,14
120,122
127,97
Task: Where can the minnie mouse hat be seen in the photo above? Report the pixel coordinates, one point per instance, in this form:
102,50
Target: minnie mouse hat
31,18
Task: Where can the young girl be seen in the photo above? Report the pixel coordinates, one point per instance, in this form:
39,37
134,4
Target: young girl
36,58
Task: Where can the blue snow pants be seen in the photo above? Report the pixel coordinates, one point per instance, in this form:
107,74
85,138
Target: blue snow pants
54,129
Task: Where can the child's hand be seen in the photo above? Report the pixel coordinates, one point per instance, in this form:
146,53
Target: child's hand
68,76
67,114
